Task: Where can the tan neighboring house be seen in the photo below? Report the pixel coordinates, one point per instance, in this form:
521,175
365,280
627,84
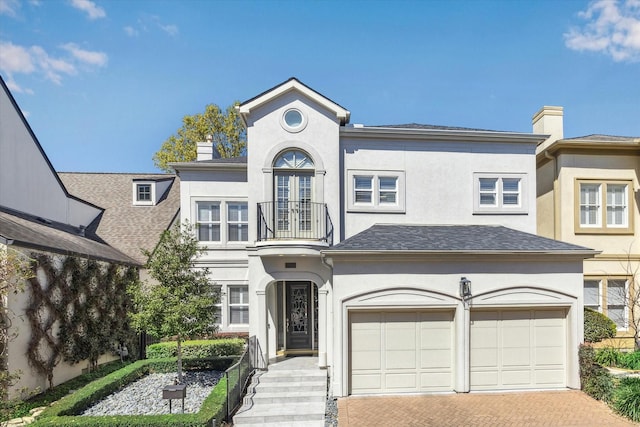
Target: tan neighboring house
137,208
588,193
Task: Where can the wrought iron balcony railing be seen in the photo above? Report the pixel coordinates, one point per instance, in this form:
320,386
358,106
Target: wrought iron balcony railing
291,220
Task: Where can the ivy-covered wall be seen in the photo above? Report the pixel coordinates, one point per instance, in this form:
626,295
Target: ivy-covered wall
77,311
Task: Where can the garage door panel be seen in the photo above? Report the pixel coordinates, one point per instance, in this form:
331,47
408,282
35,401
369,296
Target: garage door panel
528,350
486,379
518,356
366,381
433,359
435,380
395,381
413,351
516,378
400,359
549,377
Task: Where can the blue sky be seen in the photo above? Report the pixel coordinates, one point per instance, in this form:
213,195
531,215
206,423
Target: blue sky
104,83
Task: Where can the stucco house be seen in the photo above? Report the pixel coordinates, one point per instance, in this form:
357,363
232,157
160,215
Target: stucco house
588,194
405,258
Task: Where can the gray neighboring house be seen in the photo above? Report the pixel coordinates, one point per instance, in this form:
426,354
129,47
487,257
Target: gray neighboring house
39,215
137,207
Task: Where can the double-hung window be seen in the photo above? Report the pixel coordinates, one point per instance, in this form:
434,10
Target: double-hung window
609,296
238,305
237,222
375,191
500,193
208,221
603,207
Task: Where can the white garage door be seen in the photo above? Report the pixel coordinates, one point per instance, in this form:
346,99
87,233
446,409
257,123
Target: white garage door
401,352
518,349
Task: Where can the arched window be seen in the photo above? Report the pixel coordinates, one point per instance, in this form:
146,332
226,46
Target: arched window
293,159
293,177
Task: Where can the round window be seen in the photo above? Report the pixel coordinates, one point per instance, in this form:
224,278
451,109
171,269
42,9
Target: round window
294,120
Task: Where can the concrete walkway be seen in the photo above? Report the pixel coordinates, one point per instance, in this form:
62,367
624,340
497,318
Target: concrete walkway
541,408
291,393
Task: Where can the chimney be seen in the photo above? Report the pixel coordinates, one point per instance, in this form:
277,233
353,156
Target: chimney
548,121
205,149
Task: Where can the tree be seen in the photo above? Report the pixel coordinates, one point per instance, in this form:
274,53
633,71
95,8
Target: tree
15,268
225,127
181,303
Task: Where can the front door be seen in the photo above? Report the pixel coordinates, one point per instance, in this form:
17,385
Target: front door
293,205
299,315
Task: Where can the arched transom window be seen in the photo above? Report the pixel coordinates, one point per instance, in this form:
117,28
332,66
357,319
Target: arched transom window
293,159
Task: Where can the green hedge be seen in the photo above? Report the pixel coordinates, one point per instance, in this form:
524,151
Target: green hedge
202,349
61,413
595,380
597,326
15,409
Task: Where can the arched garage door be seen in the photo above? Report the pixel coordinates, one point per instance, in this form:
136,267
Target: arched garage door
518,349
401,351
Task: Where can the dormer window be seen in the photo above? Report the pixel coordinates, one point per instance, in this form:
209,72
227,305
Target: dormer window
143,192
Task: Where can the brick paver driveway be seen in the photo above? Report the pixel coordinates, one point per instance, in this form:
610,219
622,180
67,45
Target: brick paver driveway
542,408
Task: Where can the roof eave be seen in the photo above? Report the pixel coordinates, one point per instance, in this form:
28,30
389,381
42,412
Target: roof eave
202,166
587,253
342,114
442,135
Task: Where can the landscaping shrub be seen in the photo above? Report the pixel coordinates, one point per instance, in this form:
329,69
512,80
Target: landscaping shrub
201,349
626,399
608,356
597,326
595,380
630,360
21,408
61,413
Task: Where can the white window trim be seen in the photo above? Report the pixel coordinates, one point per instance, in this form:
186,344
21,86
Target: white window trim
137,202
224,223
375,205
600,298
239,222
625,305
499,208
230,305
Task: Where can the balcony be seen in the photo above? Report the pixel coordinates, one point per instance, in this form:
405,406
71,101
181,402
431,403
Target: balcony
290,220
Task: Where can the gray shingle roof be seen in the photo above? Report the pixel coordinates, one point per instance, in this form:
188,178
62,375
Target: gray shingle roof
450,238
30,232
605,138
124,226
430,127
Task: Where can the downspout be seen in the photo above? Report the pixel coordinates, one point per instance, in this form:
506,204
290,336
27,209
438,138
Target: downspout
556,193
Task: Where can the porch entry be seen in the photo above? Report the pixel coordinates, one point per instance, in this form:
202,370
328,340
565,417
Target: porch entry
297,306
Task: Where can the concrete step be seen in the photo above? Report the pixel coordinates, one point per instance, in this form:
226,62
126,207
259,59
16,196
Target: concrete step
289,396
314,423
280,387
278,413
284,377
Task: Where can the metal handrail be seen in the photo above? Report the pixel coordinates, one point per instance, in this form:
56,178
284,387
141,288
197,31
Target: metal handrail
294,220
239,375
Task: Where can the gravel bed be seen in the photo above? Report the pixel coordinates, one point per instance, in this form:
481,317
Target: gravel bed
144,397
331,412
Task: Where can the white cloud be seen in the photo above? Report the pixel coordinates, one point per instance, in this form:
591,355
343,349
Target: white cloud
90,8
612,27
9,7
170,29
15,59
130,31
98,59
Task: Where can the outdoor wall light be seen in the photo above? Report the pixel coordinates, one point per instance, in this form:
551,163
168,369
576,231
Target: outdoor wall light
465,288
